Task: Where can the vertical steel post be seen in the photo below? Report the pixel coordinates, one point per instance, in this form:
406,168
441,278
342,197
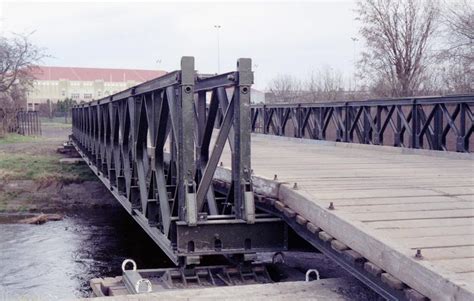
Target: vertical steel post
438,128
367,127
186,183
266,120
398,135
415,140
462,142
98,134
320,135
299,121
241,163
347,123
378,124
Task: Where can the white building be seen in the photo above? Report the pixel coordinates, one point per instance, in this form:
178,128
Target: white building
83,84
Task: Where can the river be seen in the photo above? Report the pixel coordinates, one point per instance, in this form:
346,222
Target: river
56,260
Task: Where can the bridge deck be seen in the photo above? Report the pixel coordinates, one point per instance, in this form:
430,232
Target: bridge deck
388,203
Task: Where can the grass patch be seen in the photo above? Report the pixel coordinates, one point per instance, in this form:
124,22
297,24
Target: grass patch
55,120
16,138
41,168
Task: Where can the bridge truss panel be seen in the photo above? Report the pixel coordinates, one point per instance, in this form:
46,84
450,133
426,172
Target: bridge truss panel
156,148
435,123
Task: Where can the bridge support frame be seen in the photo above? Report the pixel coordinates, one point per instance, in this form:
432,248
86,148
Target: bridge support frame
151,146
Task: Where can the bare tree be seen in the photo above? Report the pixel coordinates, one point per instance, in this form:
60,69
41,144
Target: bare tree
456,60
459,20
325,84
18,58
284,88
398,35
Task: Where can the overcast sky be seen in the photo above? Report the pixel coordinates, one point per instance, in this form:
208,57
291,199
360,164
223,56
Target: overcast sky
280,37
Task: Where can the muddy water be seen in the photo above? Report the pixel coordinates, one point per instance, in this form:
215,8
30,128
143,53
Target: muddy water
56,260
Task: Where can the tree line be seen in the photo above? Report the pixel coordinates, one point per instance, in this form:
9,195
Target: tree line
411,47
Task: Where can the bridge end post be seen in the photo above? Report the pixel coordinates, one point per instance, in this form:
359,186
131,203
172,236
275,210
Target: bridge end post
241,163
187,200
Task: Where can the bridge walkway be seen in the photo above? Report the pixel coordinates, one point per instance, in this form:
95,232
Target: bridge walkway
388,205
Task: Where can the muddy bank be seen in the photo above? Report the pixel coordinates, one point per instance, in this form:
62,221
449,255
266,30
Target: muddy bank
90,236
34,182
29,196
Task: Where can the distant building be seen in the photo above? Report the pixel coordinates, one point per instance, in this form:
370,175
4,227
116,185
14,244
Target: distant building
82,84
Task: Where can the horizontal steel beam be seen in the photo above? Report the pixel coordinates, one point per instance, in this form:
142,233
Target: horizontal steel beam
150,145
231,236
354,268
435,123
374,102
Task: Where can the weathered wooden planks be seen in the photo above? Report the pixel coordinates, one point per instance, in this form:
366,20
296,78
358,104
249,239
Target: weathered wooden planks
387,204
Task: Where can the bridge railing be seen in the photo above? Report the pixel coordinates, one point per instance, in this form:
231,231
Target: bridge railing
435,123
154,146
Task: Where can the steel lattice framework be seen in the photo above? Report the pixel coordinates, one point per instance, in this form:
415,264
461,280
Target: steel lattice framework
151,146
436,123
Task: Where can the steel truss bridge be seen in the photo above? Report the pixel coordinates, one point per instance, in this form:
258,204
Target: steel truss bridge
176,153
435,123
150,145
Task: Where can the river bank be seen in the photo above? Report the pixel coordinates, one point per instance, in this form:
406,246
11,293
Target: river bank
55,260
33,181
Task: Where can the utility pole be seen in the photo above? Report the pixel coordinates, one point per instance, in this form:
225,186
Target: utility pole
218,27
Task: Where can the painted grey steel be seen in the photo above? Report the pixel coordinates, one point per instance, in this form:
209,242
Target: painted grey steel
356,269
435,123
151,146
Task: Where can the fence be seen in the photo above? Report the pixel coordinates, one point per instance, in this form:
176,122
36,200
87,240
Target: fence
435,123
28,123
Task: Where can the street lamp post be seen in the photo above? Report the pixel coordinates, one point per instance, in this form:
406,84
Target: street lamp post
218,27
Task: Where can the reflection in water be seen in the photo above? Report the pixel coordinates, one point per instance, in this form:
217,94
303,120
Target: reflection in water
56,260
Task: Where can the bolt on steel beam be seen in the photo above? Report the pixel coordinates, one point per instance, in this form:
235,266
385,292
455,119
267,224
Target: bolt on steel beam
156,147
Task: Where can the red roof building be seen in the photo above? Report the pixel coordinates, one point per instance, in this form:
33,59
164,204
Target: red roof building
94,74
83,84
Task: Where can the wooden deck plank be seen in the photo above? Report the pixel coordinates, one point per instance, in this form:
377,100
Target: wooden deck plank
452,205
388,202
422,223
399,201
437,242
448,252
391,255
457,265
409,215
429,231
